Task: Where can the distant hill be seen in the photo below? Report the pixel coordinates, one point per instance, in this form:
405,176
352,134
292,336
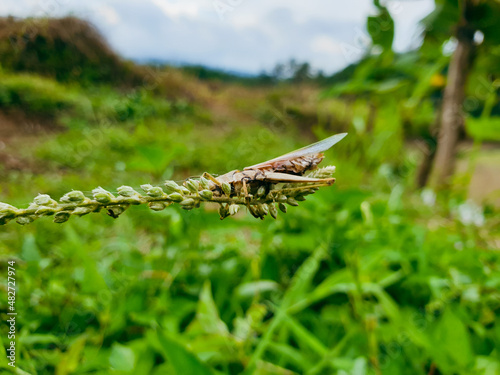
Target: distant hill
67,49
70,49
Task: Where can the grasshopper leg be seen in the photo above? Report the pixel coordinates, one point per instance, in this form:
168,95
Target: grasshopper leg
245,191
212,178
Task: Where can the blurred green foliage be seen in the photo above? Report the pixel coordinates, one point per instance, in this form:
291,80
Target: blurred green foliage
37,96
370,276
365,277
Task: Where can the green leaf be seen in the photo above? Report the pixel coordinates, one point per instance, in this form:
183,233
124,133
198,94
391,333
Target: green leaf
92,279
207,313
305,336
303,277
268,368
3,358
487,365
360,367
298,288
29,251
122,358
381,28
452,343
70,360
251,289
183,361
390,307
338,282
36,338
291,354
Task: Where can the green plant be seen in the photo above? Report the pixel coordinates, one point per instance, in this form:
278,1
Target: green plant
189,195
41,96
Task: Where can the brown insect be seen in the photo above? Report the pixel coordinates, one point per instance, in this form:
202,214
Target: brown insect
288,168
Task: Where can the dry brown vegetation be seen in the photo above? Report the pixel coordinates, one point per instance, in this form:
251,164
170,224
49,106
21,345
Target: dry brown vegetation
66,48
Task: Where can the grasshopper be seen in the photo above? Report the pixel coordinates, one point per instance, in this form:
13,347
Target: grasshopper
288,168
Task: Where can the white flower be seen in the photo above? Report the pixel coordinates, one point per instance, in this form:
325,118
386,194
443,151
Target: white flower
428,197
470,213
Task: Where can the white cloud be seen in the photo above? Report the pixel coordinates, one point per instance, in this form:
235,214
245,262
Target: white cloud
325,44
406,15
109,14
176,9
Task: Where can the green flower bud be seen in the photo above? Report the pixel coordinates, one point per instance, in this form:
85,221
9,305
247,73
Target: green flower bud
46,211
261,191
23,220
281,198
61,217
115,211
205,184
44,200
206,194
223,211
282,207
157,206
7,211
102,196
300,198
146,187
73,196
135,200
32,206
262,209
292,202
184,190
325,172
270,197
171,187
126,191
226,188
187,202
155,192
233,209
80,211
307,192
273,211
193,185
254,211
176,197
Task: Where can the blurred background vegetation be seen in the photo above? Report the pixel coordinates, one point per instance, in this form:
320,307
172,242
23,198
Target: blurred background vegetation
394,270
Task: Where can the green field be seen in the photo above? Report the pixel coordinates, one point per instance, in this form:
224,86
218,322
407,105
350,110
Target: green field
369,276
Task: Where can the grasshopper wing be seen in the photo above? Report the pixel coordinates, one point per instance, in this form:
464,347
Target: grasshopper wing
299,161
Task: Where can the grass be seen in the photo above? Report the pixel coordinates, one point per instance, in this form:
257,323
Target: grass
484,129
367,277
41,97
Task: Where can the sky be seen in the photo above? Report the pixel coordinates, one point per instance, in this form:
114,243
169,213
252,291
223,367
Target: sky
247,36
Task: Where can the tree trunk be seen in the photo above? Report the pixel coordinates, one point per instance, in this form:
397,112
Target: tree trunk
452,119
372,116
425,166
